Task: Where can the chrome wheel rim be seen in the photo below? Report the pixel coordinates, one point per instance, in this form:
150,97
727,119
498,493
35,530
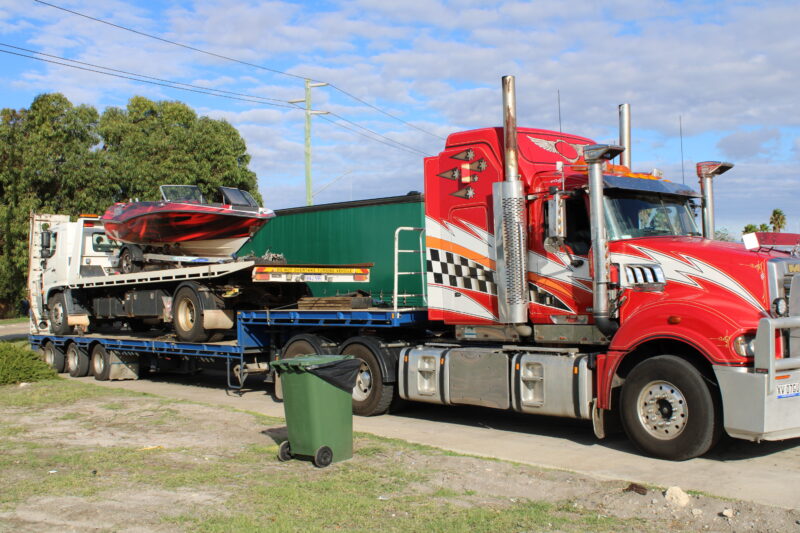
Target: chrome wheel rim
662,409
363,386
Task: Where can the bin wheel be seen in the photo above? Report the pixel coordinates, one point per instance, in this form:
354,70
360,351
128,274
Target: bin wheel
285,451
323,457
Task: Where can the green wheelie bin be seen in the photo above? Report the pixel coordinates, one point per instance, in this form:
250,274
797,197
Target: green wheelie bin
318,405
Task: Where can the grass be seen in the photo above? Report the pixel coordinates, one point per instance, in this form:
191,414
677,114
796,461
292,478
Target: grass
252,491
20,320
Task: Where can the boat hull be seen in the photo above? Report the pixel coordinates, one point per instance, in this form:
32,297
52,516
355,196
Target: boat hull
191,229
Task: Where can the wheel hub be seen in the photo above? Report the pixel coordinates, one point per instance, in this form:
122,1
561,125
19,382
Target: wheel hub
363,383
662,410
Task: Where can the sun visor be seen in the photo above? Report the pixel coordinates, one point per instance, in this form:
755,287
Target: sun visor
648,185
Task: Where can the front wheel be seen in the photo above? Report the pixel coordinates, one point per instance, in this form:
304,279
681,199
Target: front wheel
668,410
57,308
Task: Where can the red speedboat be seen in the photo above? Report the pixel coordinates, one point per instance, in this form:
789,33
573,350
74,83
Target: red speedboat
184,223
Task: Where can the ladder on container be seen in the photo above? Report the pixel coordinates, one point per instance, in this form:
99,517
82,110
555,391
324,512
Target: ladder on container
397,273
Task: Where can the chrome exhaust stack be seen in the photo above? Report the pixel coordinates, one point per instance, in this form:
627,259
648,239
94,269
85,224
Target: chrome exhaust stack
625,134
595,155
510,225
706,172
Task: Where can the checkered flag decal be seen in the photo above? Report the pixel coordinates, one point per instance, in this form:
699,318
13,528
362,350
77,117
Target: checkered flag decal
447,268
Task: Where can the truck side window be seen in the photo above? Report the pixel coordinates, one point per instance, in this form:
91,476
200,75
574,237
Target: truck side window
579,234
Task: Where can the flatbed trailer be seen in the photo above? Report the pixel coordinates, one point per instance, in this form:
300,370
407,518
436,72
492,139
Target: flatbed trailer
261,336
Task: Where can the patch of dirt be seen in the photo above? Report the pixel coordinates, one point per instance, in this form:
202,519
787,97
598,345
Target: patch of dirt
206,431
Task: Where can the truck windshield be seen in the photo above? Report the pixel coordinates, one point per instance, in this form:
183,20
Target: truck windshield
630,215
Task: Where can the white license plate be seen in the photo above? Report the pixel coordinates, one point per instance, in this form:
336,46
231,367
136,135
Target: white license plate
787,390
314,277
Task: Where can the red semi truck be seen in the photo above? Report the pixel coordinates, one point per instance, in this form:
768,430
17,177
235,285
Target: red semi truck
558,283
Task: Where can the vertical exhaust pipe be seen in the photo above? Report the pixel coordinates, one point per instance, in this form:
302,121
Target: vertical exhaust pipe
625,134
511,248
706,172
595,155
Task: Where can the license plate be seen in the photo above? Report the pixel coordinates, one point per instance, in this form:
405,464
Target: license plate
314,277
787,390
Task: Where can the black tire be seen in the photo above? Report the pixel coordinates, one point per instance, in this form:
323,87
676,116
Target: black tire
323,457
101,363
128,263
57,312
78,361
53,356
668,409
303,344
285,451
187,316
371,396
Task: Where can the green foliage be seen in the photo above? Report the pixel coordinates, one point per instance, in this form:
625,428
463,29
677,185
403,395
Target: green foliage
750,228
64,159
722,234
19,365
778,220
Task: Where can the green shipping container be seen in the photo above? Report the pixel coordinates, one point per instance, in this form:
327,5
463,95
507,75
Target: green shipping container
347,233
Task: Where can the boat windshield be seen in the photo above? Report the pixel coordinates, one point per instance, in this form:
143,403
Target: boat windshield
633,214
237,197
182,193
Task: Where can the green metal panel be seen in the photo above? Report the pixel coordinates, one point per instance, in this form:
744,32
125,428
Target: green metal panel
346,233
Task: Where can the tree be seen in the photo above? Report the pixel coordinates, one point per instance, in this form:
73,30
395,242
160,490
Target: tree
778,220
763,227
750,228
149,144
64,159
722,234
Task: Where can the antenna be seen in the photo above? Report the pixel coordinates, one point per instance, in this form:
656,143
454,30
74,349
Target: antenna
680,128
558,94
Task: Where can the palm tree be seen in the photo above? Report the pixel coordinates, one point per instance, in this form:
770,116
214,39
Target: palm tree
778,220
763,227
750,228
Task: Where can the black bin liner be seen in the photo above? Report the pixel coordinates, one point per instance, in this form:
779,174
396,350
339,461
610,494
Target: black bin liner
341,373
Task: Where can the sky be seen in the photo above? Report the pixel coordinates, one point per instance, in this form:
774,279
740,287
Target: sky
403,75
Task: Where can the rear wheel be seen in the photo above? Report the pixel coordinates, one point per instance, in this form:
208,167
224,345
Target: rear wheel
371,396
303,344
101,364
57,308
53,356
668,409
127,262
187,315
78,361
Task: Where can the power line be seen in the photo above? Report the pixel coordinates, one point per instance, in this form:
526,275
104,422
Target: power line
378,134
146,81
197,89
144,75
227,58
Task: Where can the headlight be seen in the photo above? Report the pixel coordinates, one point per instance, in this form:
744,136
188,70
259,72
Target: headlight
745,345
780,306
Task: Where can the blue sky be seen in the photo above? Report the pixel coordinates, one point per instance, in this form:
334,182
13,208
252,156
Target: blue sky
729,70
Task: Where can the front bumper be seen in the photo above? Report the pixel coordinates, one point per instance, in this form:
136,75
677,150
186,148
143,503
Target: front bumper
763,402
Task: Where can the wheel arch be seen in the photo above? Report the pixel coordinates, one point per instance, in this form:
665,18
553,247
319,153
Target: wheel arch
611,380
387,356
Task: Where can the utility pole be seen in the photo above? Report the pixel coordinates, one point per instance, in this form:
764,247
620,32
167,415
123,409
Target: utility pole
309,112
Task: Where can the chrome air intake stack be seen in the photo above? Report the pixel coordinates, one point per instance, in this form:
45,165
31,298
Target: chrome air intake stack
595,155
509,222
625,134
706,172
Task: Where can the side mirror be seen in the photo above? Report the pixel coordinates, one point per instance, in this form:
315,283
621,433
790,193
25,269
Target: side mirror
556,223
45,244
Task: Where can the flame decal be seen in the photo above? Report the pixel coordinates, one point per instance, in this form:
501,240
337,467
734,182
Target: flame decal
687,270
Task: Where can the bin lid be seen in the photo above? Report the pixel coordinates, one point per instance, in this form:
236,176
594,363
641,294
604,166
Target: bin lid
340,371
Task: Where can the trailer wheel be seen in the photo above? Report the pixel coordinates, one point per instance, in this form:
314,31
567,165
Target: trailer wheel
78,361
187,315
57,307
53,356
101,363
303,344
668,410
371,396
